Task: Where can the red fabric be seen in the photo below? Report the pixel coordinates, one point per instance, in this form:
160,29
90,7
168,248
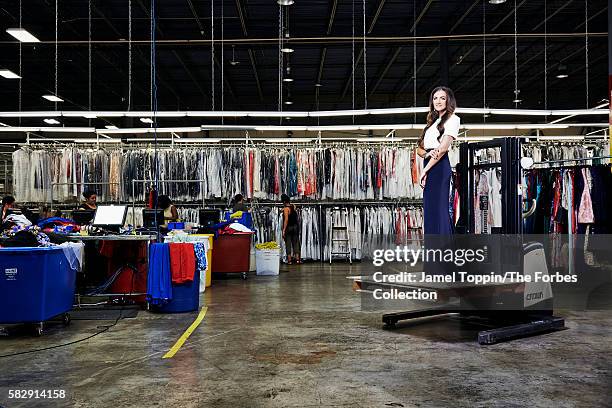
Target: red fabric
182,262
120,254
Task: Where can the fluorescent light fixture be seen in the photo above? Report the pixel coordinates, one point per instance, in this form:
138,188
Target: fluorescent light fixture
51,121
8,74
504,126
290,140
90,140
112,127
275,114
562,75
285,2
559,137
287,50
52,98
22,35
150,130
318,85
288,103
47,129
198,140
146,120
4,124
287,79
517,100
90,116
149,139
497,1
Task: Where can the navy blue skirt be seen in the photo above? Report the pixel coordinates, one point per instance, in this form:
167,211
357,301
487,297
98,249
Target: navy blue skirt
436,214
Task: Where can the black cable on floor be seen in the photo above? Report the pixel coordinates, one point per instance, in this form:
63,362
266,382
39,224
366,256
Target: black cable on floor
105,329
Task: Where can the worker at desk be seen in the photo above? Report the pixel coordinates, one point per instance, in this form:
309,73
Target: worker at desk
90,200
170,212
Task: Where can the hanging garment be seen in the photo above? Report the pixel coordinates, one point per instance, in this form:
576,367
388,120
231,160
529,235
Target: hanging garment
182,262
159,280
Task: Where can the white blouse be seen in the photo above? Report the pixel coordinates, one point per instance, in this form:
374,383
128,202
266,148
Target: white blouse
451,128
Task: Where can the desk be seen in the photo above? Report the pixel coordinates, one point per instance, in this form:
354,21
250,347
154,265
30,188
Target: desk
128,253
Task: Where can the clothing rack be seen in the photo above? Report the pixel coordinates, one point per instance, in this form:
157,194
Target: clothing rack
574,160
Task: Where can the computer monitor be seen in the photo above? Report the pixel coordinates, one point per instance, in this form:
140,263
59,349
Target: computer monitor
209,216
83,217
152,219
110,216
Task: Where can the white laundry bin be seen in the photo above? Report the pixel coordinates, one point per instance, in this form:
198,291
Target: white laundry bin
267,261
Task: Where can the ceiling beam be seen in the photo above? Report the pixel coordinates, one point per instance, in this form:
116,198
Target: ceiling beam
418,20
351,73
552,15
382,74
332,16
144,60
381,4
250,51
460,20
404,82
480,70
195,15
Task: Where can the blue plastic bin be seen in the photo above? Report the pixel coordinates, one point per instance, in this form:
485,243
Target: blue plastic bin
36,284
185,297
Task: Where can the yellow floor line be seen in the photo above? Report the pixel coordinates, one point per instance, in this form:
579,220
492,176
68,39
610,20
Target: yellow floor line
179,343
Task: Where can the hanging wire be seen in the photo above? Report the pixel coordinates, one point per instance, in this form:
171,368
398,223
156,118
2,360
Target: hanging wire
129,55
20,64
586,48
280,59
545,59
516,91
365,61
484,56
353,57
89,55
222,65
212,53
154,109
414,61
56,49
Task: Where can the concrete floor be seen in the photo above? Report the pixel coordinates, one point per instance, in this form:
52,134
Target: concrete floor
300,340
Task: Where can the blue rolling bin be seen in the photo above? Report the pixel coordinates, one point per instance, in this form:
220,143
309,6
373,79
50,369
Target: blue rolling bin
185,297
36,284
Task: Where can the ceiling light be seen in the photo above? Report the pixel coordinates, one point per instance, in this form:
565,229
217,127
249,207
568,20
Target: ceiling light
22,35
286,50
52,98
112,127
287,79
497,1
517,100
234,63
4,124
288,103
8,74
146,120
51,121
285,2
90,116
562,72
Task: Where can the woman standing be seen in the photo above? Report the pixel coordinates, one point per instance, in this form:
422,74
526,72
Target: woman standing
291,231
441,129
170,212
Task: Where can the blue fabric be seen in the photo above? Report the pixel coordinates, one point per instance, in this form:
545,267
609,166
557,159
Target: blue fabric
52,220
200,254
436,217
159,281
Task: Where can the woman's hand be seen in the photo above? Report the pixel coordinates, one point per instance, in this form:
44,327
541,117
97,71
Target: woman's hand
423,179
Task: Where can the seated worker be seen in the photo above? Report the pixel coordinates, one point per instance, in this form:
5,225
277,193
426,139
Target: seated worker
8,203
90,200
170,212
238,204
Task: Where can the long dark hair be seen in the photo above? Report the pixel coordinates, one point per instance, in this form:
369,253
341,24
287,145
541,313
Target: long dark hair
432,116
